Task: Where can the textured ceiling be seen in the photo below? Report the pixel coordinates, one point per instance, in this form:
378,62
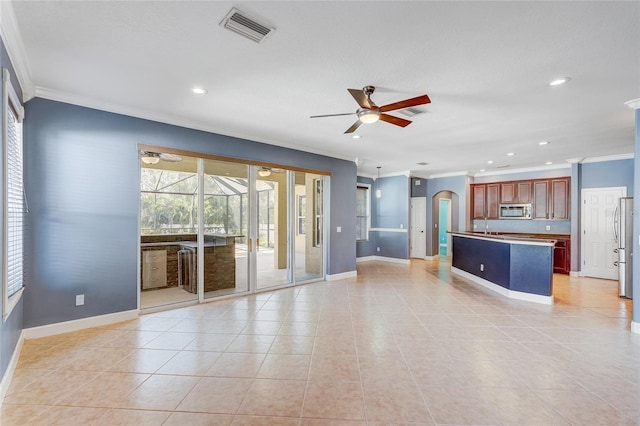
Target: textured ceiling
485,65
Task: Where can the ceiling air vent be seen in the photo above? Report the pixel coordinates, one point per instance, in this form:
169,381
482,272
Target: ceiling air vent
411,111
242,24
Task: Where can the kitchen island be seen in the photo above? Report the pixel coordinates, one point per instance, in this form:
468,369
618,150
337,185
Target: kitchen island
518,268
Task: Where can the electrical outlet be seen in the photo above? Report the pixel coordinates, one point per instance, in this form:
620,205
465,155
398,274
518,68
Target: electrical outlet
475,226
548,228
482,267
377,248
339,229
79,299
401,226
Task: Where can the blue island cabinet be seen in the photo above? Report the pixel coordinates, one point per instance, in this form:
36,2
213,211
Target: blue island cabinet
519,268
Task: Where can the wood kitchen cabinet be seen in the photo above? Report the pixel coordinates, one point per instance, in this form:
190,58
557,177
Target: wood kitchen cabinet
493,201
523,190
559,199
562,256
486,201
515,192
479,194
508,193
540,199
550,198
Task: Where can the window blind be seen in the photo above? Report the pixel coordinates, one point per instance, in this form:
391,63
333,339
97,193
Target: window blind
15,209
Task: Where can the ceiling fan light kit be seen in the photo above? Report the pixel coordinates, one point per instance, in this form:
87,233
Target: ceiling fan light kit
368,116
264,172
150,158
369,112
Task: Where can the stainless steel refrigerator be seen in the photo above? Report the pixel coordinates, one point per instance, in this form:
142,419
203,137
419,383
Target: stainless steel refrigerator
623,230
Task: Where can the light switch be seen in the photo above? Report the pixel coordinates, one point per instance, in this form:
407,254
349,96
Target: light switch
339,229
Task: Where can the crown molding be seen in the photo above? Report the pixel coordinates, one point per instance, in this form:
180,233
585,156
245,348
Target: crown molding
616,157
523,170
12,39
443,175
633,104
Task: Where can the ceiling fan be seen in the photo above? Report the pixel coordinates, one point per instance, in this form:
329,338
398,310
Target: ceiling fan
149,157
266,171
369,112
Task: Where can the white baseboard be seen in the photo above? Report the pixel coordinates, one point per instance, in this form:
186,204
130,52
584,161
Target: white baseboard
512,294
574,274
383,259
635,327
11,368
436,257
393,260
79,324
342,276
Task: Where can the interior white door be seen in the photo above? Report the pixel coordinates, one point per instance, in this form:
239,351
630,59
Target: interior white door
418,248
598,239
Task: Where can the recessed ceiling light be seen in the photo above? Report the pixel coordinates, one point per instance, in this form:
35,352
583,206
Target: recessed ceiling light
483,170
199,90
559,81
542,143
511,154
548,163
356,136
490,162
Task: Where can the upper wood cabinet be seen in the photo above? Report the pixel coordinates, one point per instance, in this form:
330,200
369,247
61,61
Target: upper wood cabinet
524,191
559,199
493,201
515,192
485,201
478,193
508,193
550,198
540,199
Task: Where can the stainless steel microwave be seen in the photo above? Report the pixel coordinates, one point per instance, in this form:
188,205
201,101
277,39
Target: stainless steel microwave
515,211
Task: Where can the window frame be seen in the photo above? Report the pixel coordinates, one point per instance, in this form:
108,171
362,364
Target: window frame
10,100
366,187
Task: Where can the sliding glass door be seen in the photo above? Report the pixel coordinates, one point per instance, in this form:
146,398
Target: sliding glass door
225,212
212,228
273,245
308,228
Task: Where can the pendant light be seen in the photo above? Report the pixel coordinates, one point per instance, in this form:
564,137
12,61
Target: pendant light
378,191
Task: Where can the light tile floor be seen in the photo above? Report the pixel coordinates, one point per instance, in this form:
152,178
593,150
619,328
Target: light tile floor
398,345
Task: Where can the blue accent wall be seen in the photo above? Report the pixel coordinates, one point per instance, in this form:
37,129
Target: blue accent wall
391,211
608,174
82,177
11,328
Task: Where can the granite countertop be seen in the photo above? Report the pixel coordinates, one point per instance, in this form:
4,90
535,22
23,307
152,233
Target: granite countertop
519,238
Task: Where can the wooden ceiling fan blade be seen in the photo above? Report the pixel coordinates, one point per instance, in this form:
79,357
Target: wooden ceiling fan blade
354,127
395,120
331,115
360,98
419,100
